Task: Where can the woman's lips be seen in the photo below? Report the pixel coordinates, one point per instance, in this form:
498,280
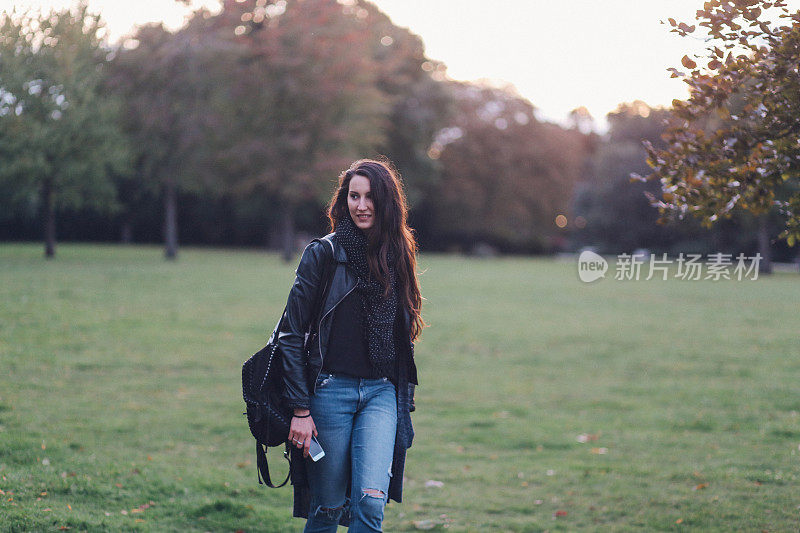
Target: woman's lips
363,217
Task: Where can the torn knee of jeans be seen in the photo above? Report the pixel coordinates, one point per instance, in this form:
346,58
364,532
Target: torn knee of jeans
331,513
374,493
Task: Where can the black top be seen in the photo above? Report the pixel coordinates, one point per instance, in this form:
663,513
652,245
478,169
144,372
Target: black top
347,347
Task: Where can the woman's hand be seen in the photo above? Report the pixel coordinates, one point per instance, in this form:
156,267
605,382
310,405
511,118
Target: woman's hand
301,430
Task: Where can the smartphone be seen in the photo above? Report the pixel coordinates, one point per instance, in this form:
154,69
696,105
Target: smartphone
315,451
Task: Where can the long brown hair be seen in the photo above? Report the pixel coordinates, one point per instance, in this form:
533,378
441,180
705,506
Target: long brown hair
390,231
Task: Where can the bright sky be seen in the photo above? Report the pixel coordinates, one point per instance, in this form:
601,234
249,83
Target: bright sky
559,55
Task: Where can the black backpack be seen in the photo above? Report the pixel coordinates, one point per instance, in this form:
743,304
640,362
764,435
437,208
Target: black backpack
262,385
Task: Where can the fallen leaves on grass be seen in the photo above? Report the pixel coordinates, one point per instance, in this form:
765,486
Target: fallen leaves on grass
141,508
679,521
586,437
434,483
443,521
599,451
701,486
560,513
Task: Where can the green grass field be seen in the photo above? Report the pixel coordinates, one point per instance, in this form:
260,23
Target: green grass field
121,410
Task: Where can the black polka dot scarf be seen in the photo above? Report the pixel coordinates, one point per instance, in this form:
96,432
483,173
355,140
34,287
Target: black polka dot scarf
379,313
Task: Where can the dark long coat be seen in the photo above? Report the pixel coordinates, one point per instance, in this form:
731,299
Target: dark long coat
300,374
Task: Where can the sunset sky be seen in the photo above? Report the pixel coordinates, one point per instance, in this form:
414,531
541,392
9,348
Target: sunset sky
559,55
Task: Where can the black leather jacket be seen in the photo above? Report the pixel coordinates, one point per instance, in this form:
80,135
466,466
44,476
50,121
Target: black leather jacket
300,375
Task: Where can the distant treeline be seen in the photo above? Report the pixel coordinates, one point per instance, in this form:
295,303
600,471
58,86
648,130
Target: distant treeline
233,130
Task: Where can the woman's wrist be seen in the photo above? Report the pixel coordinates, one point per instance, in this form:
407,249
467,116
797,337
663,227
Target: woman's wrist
302,413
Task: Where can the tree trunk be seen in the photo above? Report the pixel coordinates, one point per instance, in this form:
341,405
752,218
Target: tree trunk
170,219
765,265
126,233
287,230
49,218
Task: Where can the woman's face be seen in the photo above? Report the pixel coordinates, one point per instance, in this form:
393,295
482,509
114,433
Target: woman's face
359,202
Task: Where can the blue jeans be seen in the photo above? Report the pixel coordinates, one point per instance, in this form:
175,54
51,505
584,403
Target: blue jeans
356,420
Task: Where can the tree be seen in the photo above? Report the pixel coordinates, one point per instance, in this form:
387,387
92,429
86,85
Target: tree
303,101
614,213
173,86
420,105
505,175
59,138
735,142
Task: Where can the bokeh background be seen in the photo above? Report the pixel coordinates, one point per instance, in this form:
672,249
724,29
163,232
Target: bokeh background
226,124
171,158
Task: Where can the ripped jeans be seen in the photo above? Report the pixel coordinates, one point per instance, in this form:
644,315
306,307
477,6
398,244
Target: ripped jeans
356,420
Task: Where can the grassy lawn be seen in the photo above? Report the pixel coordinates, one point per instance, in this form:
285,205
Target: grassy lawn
120,399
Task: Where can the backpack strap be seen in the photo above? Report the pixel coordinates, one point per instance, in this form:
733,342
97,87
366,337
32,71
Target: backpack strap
319,300
263,466
325,286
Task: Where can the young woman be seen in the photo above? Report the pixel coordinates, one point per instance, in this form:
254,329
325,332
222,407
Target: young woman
355,390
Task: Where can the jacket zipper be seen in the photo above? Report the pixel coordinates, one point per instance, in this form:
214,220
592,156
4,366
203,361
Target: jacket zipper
319,333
